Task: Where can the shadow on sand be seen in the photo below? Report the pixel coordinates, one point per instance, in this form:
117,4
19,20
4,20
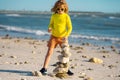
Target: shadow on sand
23,73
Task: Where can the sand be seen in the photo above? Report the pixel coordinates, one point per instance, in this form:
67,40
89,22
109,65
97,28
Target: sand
20,57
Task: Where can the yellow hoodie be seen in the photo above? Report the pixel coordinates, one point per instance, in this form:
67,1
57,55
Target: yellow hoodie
61,25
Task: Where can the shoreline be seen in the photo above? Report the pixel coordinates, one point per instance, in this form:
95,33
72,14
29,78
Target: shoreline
19,57
71,42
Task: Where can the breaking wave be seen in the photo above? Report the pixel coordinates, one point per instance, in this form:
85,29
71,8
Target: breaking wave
23,30
14,15
95,37
41,32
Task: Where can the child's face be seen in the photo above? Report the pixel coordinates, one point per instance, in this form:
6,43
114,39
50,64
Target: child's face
60,9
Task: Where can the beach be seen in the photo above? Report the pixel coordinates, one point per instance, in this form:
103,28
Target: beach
20,57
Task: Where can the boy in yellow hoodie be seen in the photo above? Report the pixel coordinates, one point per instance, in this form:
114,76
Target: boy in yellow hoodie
60,27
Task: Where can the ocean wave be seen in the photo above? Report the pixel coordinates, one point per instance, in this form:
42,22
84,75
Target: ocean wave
96,37
23,30
14,15
112,17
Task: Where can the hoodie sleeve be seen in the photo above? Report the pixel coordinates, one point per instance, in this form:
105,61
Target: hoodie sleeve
51,22
69,26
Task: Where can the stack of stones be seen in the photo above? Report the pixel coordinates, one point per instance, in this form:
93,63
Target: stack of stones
63,64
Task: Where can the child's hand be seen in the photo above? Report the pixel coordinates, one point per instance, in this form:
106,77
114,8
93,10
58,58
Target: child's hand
49,30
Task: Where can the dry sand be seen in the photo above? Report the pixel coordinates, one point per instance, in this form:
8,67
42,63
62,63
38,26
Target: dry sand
20,57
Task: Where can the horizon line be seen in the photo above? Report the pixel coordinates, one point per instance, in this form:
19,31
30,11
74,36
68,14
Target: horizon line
50,11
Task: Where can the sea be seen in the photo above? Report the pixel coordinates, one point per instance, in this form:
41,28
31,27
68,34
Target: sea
95,28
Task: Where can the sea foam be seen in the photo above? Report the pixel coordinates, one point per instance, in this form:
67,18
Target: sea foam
23,30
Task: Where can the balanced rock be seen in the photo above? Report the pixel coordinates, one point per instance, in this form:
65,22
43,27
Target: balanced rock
61,75
63,65
60,70
65,45
66,54
63,59
65,49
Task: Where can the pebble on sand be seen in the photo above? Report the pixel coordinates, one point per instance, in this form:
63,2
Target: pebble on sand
36,73
95,60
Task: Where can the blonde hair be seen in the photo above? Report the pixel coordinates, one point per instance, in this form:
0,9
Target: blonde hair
59,3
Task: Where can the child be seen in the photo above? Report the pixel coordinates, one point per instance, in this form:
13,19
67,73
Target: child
60,28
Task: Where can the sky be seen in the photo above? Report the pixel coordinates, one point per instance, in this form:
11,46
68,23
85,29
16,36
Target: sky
108,6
